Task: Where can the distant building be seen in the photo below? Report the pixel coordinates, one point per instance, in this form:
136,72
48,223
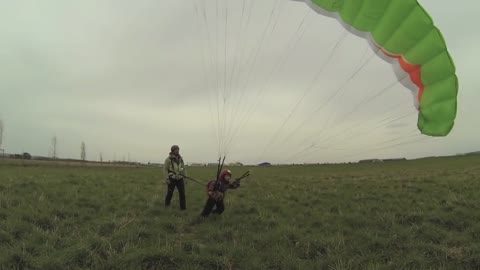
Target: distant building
371,161
155,164
265,164
235,164
376,160
394,159
198,164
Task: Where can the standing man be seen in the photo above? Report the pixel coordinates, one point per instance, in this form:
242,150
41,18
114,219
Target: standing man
174,171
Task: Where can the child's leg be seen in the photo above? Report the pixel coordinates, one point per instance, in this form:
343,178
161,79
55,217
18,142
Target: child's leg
220,207
208,207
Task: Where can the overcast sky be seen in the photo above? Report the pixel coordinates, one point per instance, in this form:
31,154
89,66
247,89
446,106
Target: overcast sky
131,78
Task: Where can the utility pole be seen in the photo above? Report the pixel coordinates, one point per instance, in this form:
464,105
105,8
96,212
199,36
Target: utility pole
83,153
1,133
53,148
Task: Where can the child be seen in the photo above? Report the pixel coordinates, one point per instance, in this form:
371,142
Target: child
216,193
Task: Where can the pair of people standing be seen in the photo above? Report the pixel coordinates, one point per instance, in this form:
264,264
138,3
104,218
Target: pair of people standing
175,174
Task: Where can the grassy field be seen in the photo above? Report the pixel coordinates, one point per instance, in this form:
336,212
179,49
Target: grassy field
421,214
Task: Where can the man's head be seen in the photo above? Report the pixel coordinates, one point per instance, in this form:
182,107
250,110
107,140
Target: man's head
175,150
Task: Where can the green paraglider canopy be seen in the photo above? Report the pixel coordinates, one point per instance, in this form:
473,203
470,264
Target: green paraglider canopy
405,33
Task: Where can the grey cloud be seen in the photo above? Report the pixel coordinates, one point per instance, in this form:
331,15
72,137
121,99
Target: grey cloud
129,77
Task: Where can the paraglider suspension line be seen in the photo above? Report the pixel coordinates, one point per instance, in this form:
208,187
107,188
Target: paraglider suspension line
220,166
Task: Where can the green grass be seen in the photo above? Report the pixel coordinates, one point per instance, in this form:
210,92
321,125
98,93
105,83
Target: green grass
422,214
